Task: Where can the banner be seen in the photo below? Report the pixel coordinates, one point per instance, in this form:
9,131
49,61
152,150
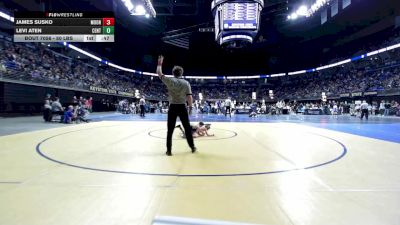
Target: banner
98,89
110,91
345,95
127,94
356,94
370,93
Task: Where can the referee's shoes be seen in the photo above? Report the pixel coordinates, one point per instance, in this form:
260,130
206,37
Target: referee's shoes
169,153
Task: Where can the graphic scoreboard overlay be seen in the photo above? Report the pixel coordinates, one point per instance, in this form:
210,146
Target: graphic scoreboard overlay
64,26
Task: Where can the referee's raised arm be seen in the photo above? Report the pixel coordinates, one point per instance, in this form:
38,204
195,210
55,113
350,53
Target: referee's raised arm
179,92
159,66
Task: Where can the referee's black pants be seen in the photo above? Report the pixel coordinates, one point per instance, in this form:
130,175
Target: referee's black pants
228,111
142,110
364,112
174,111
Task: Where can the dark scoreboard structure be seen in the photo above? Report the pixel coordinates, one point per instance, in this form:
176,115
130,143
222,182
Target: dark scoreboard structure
236,22
64,26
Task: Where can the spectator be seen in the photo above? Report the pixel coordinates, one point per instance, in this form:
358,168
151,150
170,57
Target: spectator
57,109
47,111
68,115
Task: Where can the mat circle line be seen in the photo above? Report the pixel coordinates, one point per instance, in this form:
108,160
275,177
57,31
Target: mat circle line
39,151
234,134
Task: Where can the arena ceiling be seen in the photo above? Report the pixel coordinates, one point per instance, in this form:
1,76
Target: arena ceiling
175,33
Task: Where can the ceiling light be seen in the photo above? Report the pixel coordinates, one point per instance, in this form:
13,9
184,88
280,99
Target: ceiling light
140,10
128,4
302,11
316,6
150,8
6,16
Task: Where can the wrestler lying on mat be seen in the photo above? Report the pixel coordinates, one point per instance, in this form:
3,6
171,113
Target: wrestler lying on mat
198,130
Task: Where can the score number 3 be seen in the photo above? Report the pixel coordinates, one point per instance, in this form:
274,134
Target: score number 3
108,21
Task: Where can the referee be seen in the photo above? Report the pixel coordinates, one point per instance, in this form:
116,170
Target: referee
364,110
228,104
179,92
142,104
